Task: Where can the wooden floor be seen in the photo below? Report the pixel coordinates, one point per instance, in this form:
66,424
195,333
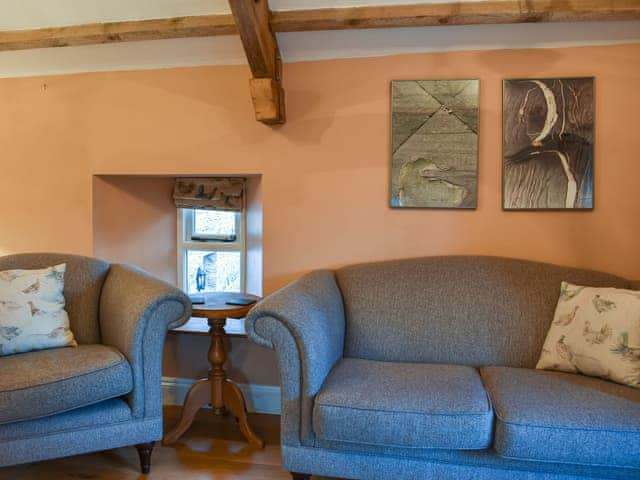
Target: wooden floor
212,449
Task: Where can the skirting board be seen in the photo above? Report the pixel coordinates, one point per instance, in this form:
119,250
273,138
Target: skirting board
259,398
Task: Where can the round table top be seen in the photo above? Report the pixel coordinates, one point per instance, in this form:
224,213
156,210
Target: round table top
215,305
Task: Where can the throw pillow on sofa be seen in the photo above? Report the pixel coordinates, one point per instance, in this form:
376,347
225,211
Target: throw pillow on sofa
32,314
596,332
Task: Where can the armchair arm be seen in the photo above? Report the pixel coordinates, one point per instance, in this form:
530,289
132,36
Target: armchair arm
304,323
136,311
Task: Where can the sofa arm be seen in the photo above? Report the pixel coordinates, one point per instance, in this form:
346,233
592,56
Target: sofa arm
136,311
304,323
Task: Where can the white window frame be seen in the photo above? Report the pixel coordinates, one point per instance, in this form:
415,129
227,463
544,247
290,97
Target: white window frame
185,243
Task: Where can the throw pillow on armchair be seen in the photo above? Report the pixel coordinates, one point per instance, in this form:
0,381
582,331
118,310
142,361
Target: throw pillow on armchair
32,314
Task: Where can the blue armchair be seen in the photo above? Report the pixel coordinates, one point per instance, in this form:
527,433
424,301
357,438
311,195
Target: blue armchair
105,393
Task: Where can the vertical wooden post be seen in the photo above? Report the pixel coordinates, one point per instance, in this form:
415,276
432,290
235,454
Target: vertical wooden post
217,357
261,48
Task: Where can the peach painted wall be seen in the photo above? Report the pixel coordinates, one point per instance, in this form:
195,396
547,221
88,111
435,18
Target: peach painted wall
325,174
134,221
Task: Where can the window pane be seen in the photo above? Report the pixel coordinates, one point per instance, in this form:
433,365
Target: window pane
213,271
211,222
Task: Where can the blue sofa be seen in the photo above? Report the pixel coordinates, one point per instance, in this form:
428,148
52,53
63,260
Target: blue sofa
105,393
424,369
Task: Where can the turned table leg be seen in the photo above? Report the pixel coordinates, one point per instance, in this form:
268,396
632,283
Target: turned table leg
225,394
204,391
217,357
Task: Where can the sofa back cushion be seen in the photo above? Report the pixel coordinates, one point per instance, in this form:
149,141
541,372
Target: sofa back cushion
83,281
466,310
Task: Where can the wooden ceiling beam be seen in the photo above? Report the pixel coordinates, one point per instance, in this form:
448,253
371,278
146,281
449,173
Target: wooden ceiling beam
97,33
414,15
455,13
261,48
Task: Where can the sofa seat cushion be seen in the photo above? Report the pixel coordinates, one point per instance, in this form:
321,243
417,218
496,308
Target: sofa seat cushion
564,417
411,405
46,382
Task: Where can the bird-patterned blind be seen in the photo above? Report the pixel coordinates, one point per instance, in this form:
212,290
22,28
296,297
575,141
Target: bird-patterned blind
210,193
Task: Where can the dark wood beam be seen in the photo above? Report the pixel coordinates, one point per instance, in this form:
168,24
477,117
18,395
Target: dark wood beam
414,15
261,48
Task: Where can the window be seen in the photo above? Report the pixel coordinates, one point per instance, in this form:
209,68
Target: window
211,250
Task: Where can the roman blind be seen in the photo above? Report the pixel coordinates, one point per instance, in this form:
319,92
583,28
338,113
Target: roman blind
210,193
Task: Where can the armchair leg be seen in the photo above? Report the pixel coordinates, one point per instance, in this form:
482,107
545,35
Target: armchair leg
144,451
300,476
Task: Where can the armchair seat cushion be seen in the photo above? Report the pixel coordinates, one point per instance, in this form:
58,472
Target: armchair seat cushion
412,405
46,382
563,417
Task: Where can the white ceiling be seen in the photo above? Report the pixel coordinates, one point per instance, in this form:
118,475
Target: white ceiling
24,14
223,50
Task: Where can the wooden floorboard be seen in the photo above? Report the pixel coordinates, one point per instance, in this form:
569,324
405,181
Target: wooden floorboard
212,449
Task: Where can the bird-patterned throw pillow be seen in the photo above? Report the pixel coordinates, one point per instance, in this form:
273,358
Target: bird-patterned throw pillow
596,332
32,314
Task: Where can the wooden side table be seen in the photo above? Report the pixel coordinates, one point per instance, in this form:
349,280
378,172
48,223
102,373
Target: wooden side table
217,389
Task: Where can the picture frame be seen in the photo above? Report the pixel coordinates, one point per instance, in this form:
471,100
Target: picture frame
548,143
434,143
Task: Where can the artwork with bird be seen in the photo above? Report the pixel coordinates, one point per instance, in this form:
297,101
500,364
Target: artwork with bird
627,352
566,318
563,350
630,354
55,333
567,293
33,309
9,333
434,143
602,304
580,363
593,336
34,287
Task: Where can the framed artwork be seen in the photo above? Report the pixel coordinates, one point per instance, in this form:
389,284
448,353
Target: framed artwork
547,147
434,143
